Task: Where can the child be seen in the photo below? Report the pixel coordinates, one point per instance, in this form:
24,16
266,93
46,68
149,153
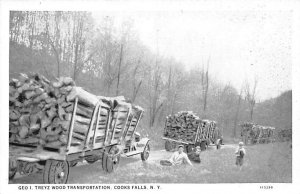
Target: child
240,153
195,154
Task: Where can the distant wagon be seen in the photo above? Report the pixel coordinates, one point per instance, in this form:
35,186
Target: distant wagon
285,134
188,129
253,133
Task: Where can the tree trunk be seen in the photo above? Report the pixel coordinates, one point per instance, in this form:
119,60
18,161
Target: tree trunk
119,70
236,115
75,62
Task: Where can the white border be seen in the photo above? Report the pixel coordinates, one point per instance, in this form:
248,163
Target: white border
130,6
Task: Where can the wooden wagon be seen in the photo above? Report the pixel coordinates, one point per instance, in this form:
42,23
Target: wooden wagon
253,133
111,133
205,134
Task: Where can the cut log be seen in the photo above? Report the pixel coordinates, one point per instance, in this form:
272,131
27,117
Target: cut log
80,128
14,115
45,122
41,97
51,113
65,125
68,81
63,139
83,96
14,129
65,90
43,133
84,111
61,99
66,104
78,136
23,132
51,138
55,144
50,100
69,108
24,120
83,120
68,117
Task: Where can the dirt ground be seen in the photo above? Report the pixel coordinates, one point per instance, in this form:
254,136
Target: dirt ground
265,163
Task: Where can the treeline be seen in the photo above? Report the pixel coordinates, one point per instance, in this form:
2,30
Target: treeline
110,60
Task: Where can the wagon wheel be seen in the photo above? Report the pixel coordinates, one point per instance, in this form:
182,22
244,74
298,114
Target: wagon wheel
111,160
13,168
168,146
145,154
91,159
56,172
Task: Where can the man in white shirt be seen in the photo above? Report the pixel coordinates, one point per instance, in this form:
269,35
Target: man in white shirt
179,157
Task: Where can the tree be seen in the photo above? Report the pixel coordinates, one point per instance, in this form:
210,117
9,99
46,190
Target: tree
237,113
155,93
136,83
205,85
251,96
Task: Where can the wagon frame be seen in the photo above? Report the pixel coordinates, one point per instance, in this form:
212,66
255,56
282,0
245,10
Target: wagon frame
202,140
56,162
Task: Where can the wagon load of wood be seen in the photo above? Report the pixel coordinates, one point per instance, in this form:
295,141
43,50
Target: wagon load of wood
182,126
285,134
256,133
40,111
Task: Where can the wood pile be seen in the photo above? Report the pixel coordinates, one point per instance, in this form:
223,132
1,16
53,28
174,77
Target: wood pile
185,125
257,133
285,134
40,111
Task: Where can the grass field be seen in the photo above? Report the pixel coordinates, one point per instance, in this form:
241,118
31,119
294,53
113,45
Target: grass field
265,163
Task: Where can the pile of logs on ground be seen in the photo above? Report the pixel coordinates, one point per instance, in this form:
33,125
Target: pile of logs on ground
186,126
40,111
256,133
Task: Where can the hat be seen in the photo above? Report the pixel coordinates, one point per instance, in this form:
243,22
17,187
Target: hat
180,146
241,143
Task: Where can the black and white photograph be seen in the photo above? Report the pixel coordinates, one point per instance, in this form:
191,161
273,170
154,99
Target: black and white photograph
132,96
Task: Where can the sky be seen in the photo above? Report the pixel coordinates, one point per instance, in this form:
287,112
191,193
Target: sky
241,45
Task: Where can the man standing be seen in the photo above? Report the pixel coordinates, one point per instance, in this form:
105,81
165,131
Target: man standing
177,158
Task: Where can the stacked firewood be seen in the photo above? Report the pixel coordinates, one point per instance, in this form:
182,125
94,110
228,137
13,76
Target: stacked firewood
285,134
182,126
40,111
257,133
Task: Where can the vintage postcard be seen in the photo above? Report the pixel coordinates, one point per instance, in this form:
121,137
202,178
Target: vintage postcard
149,96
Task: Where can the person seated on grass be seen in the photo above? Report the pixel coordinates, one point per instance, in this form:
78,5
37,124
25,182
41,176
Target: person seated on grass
177,158
240,153
195,154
